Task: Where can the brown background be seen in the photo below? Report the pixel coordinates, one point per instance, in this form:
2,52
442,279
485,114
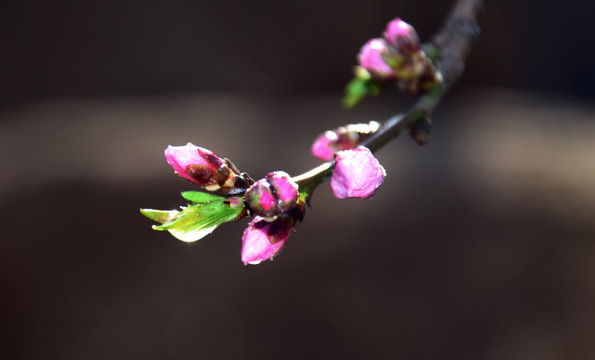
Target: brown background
478,246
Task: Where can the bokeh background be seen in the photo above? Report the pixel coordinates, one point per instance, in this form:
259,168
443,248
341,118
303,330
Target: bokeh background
480,245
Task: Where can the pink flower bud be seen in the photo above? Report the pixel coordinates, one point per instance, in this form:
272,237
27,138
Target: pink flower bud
371,58
402,36
357,174
323,147
263,240
273,195
204,168
343,138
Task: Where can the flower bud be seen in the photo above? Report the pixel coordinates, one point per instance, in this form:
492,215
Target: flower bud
273,195
357,174
371,58
262,240
205,169
402,36
324,145
343,138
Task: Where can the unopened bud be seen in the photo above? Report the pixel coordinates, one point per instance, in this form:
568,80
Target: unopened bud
343,138
357,174
205,169
372,58
272,196
402,36
262,240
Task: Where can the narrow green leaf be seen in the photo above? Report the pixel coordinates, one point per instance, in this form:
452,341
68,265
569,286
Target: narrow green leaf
358,88
198,220
159,216
200,197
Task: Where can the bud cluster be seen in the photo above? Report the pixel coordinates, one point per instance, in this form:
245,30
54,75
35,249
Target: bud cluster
398,57
275,201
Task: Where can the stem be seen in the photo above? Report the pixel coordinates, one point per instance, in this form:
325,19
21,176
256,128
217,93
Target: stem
392,127
308,181
453,43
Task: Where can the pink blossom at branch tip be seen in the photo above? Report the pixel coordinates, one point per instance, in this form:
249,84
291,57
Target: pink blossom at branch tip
357,174
371,58
402,36
193,163
263,240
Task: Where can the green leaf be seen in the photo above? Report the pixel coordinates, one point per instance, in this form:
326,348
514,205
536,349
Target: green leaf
358,88
199,197
160,216
197,220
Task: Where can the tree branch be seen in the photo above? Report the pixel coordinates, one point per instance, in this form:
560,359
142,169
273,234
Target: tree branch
455,39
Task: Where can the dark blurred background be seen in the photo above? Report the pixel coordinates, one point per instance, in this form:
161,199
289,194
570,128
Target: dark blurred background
479,245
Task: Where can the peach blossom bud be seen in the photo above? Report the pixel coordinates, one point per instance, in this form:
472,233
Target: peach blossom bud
262,240
342,138
402,36
357,174
205,169
371,58
273,195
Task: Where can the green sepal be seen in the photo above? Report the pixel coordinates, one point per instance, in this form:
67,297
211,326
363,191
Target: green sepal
197,220
358,88
433,52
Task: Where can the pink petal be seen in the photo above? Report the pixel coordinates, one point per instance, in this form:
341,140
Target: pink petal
267,201
263,240
357,174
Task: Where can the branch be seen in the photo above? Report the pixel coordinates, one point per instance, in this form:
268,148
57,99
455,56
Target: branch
277,203
455,39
